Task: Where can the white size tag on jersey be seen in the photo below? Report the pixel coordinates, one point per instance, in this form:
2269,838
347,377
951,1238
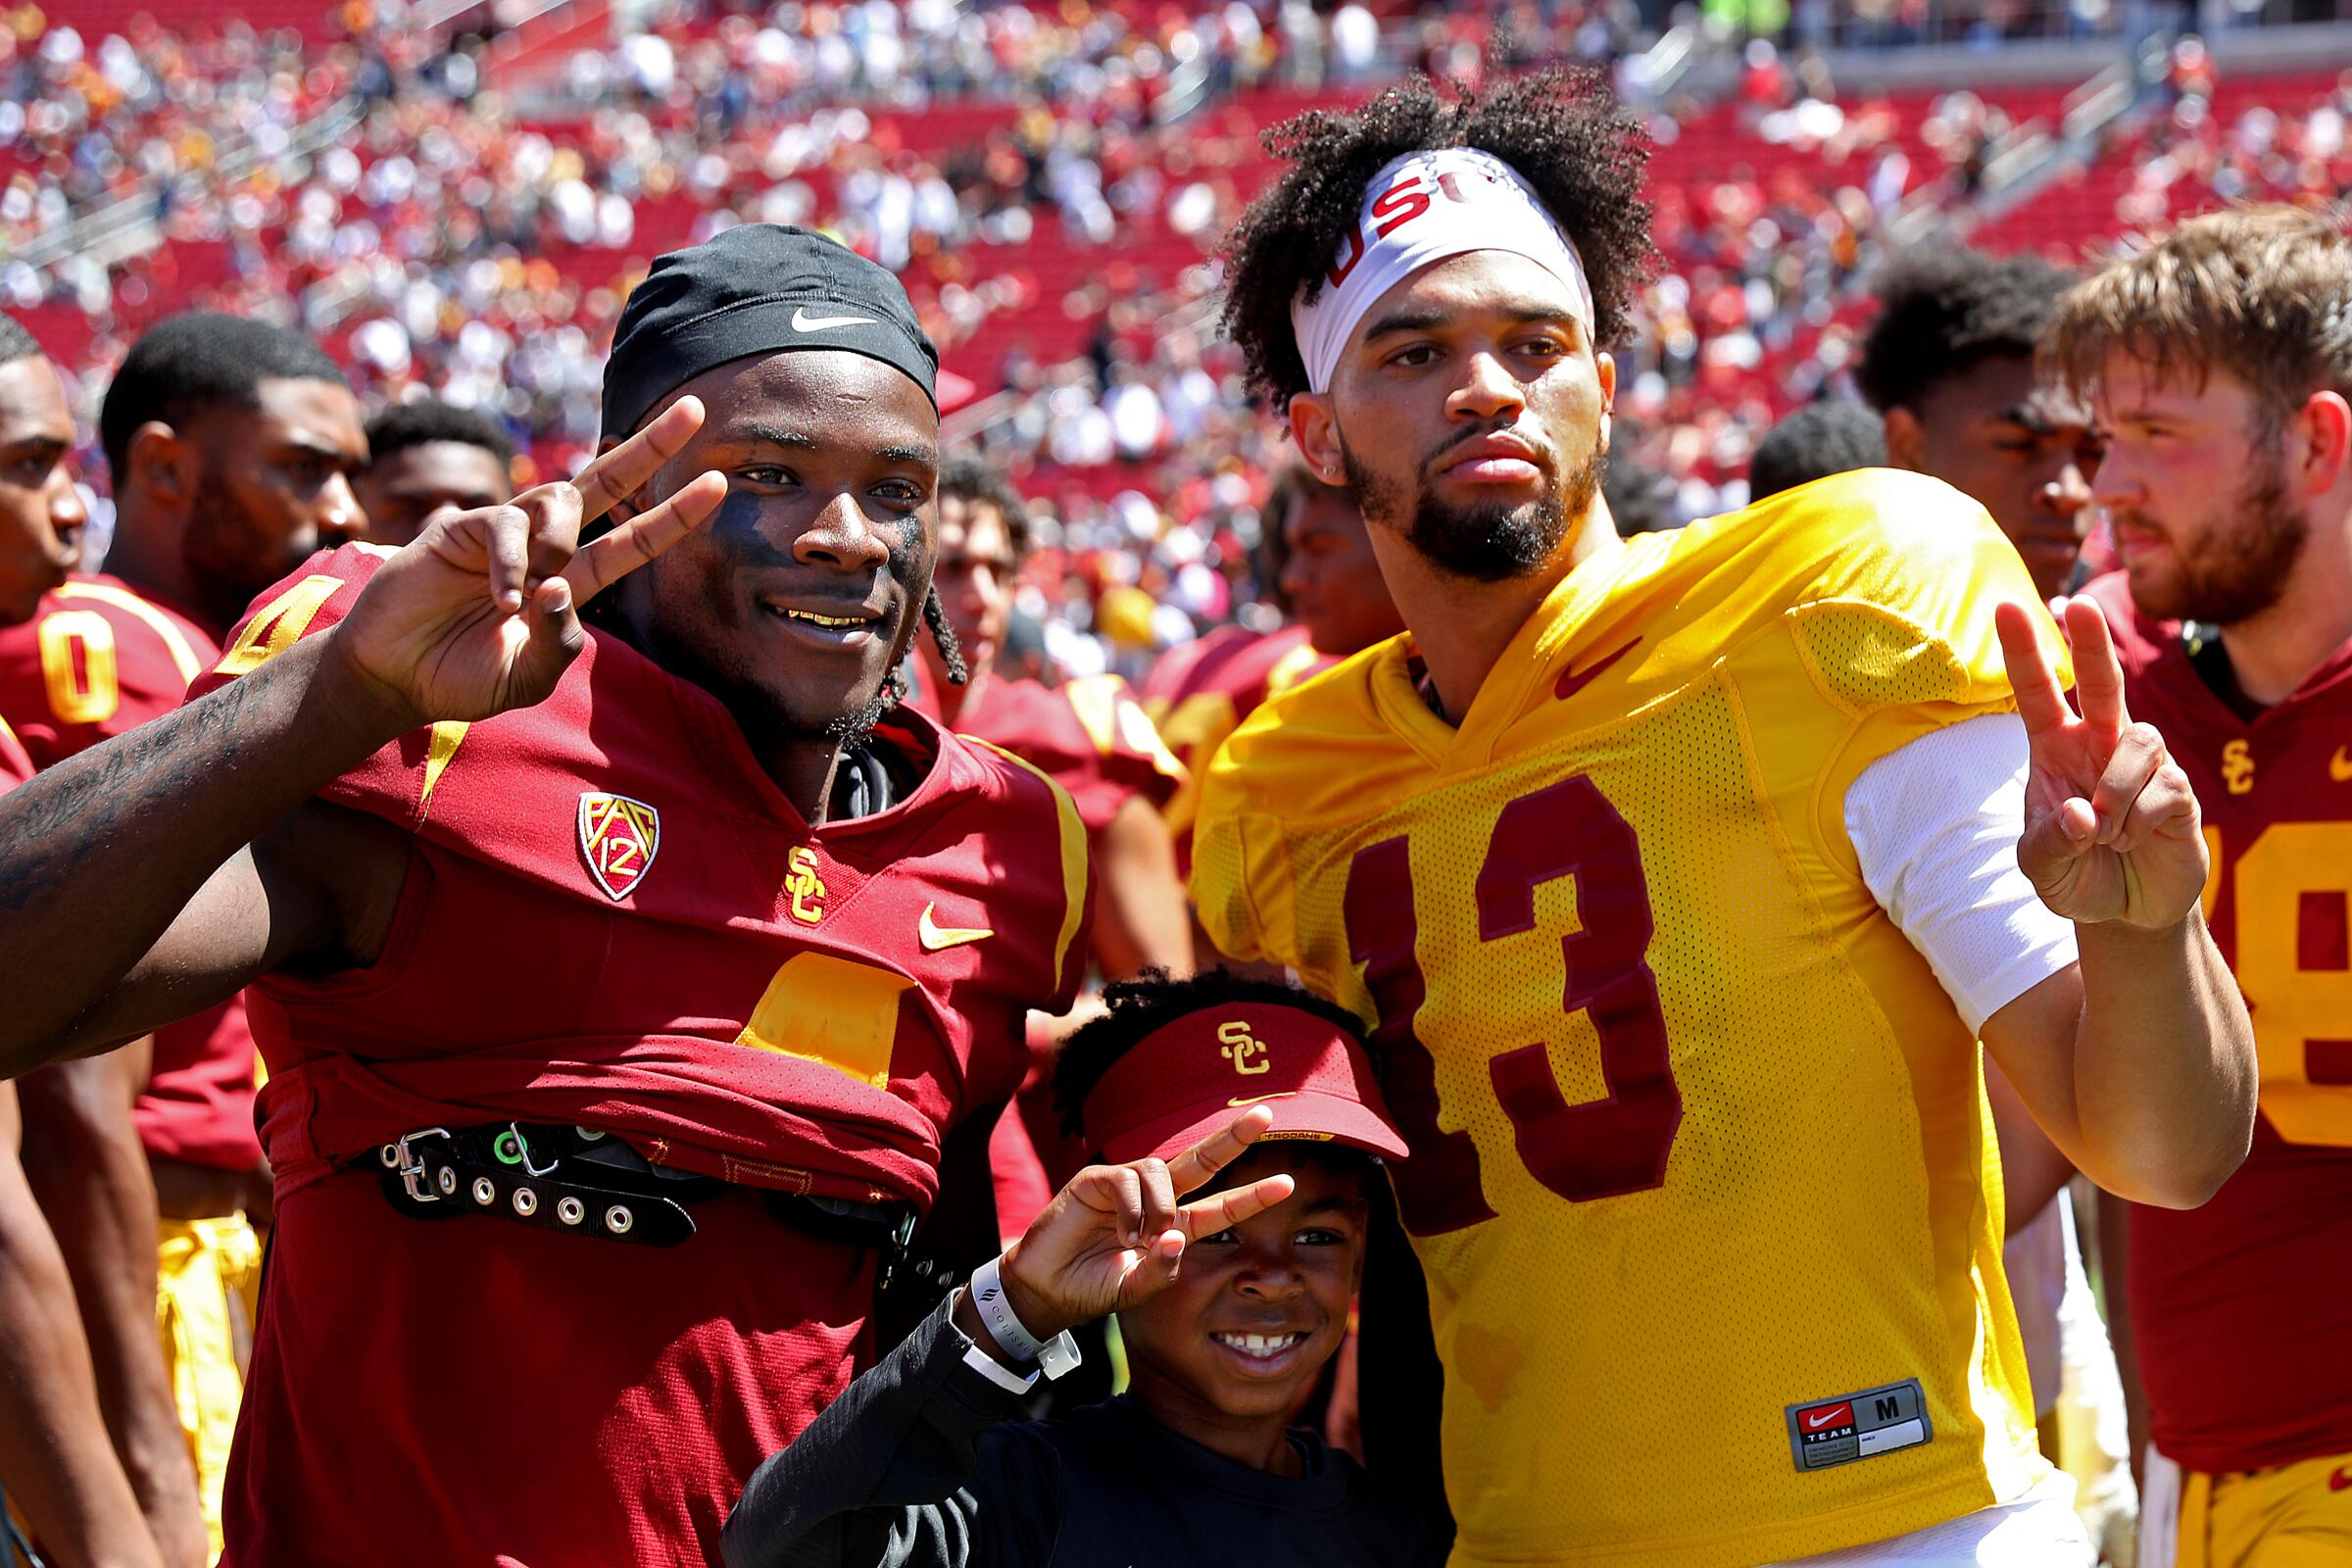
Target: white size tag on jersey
1858,1426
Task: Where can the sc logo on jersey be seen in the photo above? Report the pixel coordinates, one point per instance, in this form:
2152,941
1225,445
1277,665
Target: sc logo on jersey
806,888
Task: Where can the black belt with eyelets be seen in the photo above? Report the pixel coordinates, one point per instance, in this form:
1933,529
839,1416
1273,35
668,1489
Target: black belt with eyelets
586,1182
540,1176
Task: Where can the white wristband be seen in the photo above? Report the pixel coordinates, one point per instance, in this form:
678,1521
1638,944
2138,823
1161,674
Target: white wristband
1054,1357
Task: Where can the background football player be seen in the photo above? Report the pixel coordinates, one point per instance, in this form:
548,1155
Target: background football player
57,1460
2220,359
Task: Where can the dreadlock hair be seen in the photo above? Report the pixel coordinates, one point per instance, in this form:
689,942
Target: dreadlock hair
974,482
15,342
1944,311
950,651
1560,129
1138,1007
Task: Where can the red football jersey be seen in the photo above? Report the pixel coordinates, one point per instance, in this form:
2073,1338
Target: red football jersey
613,919
1199,693
1089,735
734,991
2243,1308
98,658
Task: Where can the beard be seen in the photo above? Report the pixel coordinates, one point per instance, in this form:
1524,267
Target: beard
2234,571
230,557
1494,542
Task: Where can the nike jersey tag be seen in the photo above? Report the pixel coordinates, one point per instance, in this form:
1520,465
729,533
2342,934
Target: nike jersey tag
1858,1426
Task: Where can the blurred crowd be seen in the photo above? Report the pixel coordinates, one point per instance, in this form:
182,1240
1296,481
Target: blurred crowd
1019,167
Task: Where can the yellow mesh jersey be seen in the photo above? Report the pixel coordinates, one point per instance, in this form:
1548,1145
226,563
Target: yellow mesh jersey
1703,1178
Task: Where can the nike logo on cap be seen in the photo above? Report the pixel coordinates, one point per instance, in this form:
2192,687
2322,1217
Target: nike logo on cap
803,322
1259,1100
2340,766
936,936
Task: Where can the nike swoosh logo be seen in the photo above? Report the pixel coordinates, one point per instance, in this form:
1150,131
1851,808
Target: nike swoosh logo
1259,1100
1576,680
1823,1422
2340,766
936,936
803,322
2341,1480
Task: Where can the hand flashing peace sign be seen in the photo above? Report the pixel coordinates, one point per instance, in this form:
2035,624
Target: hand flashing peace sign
1114,1237
476,615
2111,828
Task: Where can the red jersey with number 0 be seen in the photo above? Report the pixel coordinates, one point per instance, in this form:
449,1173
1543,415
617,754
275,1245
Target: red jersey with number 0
2242,1308
97,658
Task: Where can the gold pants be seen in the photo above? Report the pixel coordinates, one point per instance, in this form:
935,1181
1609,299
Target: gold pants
208,1286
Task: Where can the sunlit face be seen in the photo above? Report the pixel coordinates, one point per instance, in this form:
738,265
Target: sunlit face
41,514
2195,483
2020,447
974,578
1470,414
402,489
1255,1310
1331,576
273,488
795,601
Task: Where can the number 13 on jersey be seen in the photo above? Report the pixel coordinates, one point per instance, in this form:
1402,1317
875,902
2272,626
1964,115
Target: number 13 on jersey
1597,1149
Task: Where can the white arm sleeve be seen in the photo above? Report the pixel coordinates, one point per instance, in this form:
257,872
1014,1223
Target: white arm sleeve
1934,824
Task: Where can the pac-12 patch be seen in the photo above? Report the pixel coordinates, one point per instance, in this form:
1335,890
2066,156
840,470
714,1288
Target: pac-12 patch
618,838
1858,1426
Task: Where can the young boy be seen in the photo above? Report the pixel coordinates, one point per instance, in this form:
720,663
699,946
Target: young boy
1230,1303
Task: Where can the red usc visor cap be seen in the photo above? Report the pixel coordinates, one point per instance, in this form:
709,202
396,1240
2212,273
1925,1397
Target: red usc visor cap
1189,1077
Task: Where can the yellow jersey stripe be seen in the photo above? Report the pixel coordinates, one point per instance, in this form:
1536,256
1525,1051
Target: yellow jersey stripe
1073,858
174,641
446,738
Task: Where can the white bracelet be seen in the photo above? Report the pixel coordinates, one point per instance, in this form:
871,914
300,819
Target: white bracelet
996,1310
1054,1357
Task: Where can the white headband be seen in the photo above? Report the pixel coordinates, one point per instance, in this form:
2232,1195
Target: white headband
1424,208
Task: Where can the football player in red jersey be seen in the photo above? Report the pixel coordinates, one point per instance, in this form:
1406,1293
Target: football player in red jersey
658,958
2220,362
1327,578
1089,736
231,444
56,1459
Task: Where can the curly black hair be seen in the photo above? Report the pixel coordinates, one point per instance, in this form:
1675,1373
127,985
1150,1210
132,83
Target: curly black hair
1833,435
1944,311
1154,997
1561,128
978,482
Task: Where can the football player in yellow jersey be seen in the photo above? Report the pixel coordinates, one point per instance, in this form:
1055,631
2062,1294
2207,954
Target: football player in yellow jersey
1680,877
